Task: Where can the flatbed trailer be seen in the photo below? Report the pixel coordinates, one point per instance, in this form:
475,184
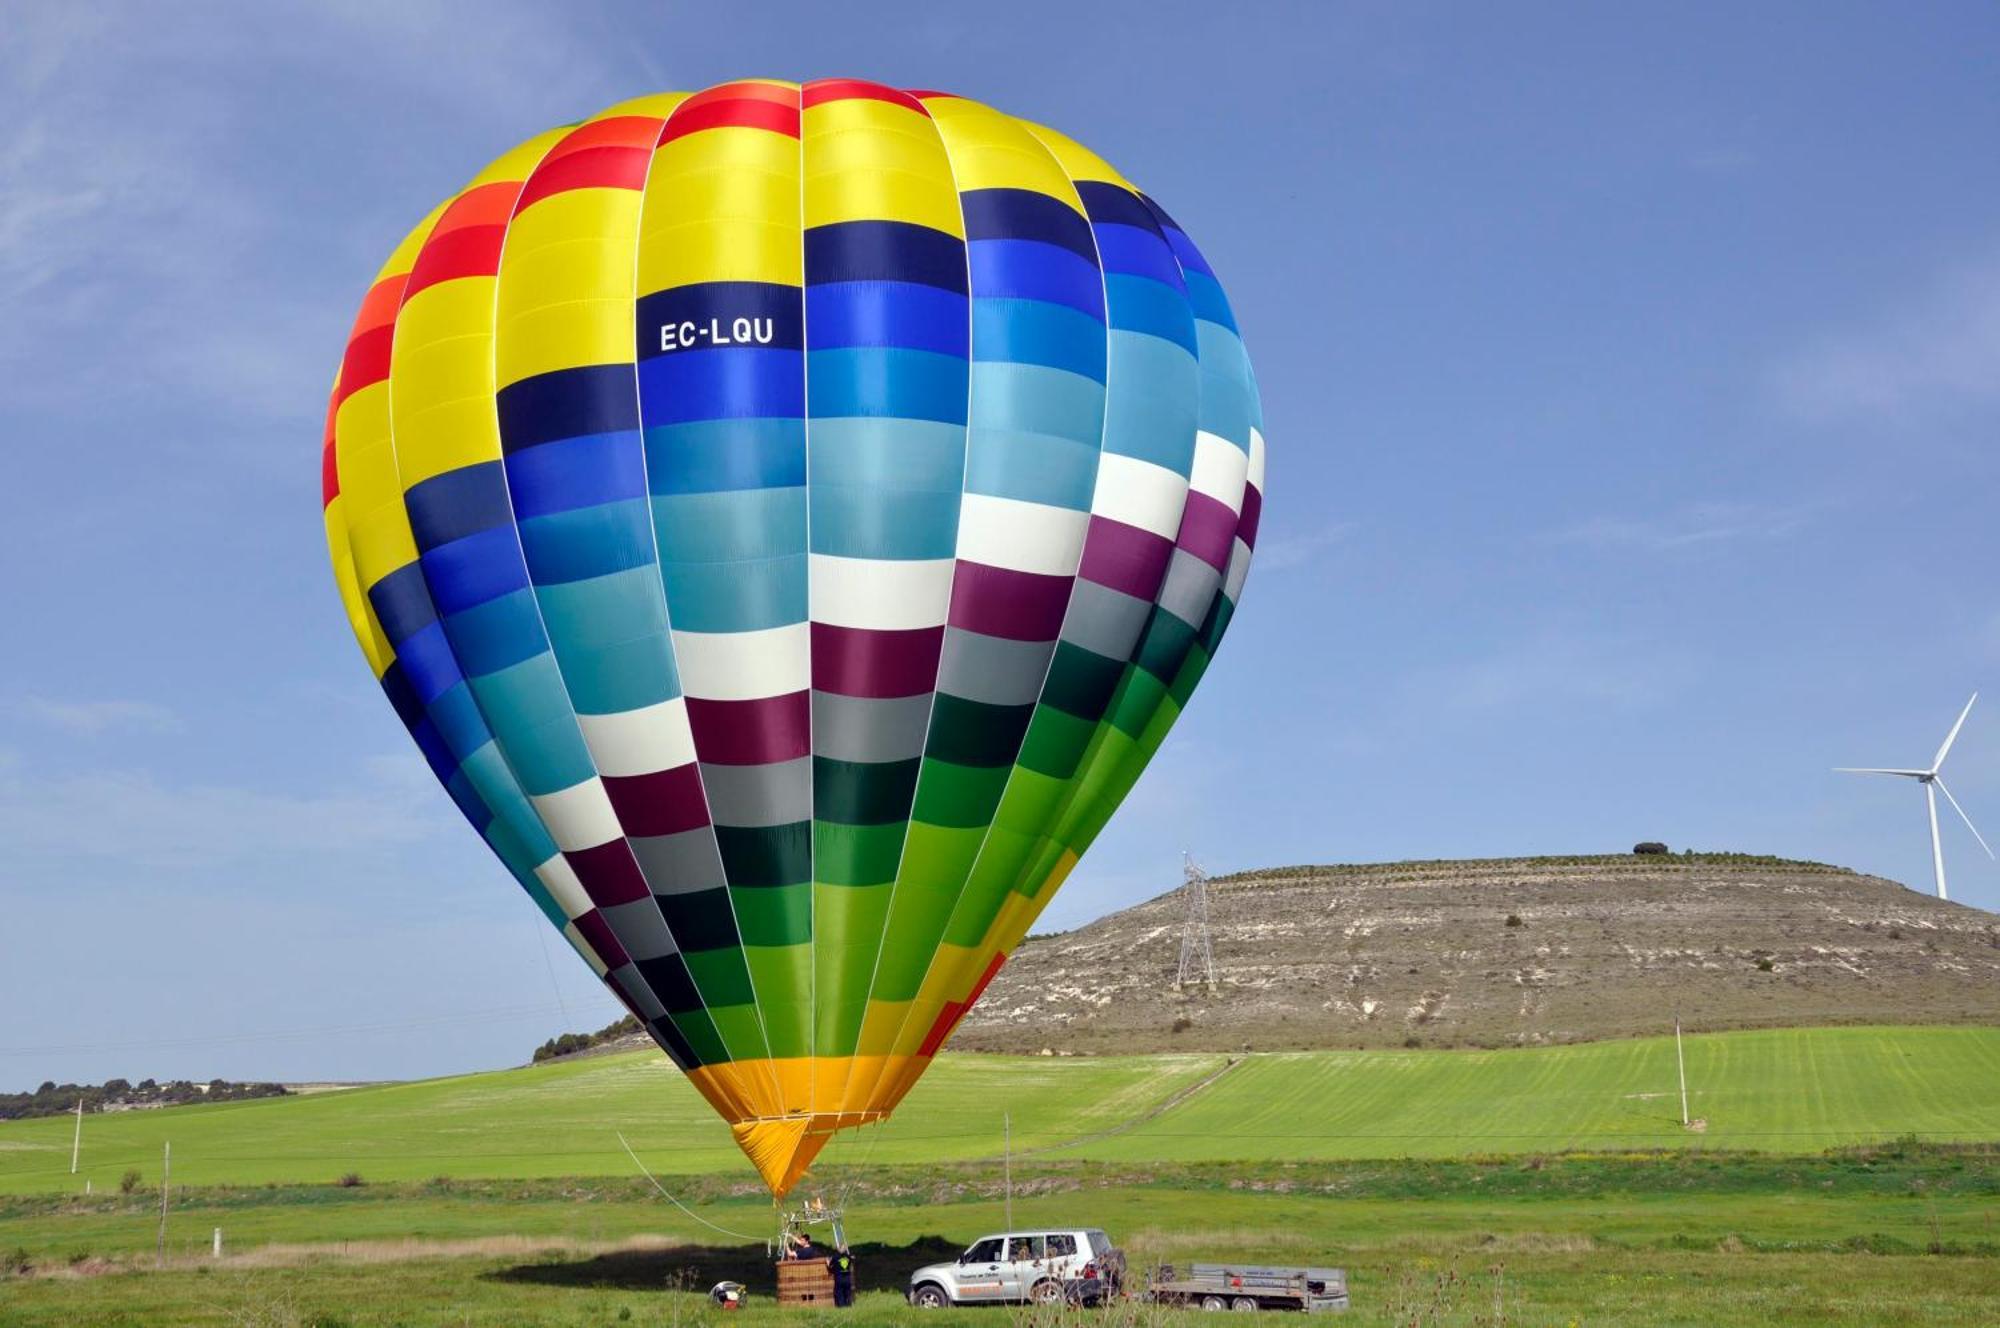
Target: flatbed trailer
1243,1286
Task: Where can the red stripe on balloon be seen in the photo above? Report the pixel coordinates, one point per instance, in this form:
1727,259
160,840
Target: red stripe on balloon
955,1010
1253,512
731,113
1125,558
858,661
664,802
822,91
999,601
1208,529
594,929
329,470
609,873
592,168
471,251
366,361
755,732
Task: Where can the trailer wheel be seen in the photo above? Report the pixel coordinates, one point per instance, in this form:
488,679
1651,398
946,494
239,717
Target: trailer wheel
1243,1305
1214,1303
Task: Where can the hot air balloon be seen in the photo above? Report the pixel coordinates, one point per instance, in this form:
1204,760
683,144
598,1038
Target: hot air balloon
788,519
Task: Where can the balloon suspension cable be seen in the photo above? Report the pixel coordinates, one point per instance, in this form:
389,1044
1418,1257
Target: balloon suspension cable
867,1154
683,1207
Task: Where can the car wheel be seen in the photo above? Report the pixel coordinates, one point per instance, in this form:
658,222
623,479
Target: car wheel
1047,1292
1214,1303
930,1296
1243,1305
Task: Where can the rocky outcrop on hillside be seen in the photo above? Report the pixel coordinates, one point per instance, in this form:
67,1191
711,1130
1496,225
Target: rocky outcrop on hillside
1501,953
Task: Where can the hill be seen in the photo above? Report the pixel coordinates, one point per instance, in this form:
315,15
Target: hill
1501,953
1790,1091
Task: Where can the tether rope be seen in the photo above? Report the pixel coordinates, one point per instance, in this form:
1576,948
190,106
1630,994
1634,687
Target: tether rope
678,1204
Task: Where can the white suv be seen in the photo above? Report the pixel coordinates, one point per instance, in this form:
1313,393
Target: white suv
1073,1263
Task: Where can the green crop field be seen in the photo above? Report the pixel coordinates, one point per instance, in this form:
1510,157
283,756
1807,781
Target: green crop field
1440,1179
1781,1091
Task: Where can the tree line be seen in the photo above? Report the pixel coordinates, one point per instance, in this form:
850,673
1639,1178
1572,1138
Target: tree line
54,1099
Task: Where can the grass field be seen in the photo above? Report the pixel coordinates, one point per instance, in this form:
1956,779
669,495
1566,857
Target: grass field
1436,1178
1782,1091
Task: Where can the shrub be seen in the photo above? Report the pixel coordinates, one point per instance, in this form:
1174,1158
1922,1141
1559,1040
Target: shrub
1514,920
1764,965
1649,848
129,1181
351,1181
1182,1023
1413,1041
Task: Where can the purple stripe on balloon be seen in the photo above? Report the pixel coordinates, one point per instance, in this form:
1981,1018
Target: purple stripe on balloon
1208,528
998,601
663,802
861,661
594,929
1253,509
756,732
1125,558
609,872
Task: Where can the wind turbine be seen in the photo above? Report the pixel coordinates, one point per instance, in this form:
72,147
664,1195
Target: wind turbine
1933,785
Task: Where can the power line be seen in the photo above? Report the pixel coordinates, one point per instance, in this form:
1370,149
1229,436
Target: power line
496,1015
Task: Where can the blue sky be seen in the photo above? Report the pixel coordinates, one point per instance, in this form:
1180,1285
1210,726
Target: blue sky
1631,381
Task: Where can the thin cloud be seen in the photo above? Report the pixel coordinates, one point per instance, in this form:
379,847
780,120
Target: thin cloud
133,821
1941,351
1289,549
1693,526
92,718
1570,669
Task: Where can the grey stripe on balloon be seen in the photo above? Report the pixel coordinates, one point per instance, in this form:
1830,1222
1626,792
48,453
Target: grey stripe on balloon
992,669
1104,621
779,793
680,864
869,729
640,929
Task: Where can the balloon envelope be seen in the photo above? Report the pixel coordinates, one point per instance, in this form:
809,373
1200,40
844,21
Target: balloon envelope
788,519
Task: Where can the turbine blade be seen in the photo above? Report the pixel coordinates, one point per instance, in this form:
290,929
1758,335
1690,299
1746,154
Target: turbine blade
1876,770
1952,736
1963,817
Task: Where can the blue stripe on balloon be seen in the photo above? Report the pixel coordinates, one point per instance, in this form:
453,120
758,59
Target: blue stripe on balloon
489,773
1140,304
908,384
566,403
428,663
1035,332
458,503
621,676
1115,204
604,610
529,705
498,634
881,523
475,569
886,313
1153,413
736,597
1137,252
1210,304
734,526
459,721
884,251
741,382
402,603
1025,214
576,472
713,456
588,542
1031,270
